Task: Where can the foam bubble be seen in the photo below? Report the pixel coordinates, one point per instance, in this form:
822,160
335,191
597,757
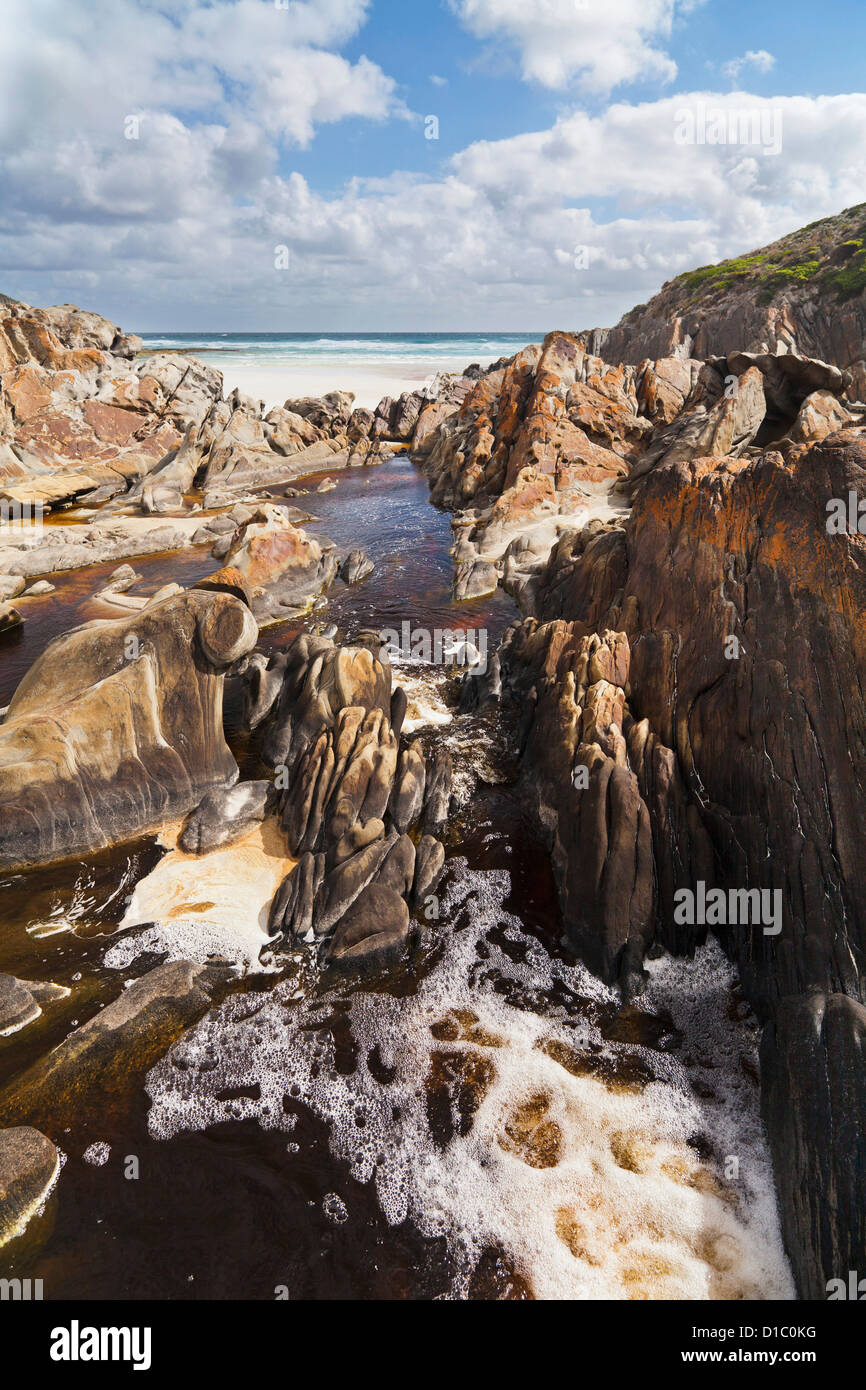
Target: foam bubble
493,1107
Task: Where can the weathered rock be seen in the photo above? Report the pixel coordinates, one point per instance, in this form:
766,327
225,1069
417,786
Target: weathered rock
355,567
339,888
21,1001
756,304
813,1070
407,797
429,864
398,867
437,792
109,1055
373,934
10,618
29,1165
118,727
281,566
225,815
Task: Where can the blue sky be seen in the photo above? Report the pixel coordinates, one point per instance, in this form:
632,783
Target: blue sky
278,176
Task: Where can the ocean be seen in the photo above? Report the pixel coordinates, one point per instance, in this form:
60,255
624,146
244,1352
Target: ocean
274,366
364,348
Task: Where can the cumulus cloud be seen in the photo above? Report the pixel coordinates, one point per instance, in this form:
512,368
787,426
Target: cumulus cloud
179,228
598,44
757,58
73,68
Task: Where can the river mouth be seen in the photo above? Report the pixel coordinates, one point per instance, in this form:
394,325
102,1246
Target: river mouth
486,1122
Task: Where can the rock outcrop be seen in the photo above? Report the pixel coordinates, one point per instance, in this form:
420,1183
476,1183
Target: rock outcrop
557,437
348,793
118,727
693,721
78,414
803,295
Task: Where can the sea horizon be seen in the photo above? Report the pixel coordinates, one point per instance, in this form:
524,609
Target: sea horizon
275,365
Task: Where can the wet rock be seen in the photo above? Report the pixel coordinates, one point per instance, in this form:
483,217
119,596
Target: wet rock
429,864
407,798
339,888
121,580
293,906
263,682
478,690
320,680
225,815
475,578
814,1103
437,793
110,1055
398,867
43,586
29,1165
10,618
399,705
373,933
21,1001
356,838
355,567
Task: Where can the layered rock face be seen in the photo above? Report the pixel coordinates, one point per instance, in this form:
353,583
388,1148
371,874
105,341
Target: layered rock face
78,412
804,294
539,439
557,437
353,801
83,416
118,727
693,719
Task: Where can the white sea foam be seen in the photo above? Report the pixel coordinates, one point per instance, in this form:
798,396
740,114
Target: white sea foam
590,1185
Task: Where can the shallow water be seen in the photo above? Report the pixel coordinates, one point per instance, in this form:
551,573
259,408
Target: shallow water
488,1122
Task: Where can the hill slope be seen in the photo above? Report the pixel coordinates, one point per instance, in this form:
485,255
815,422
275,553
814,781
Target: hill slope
804,293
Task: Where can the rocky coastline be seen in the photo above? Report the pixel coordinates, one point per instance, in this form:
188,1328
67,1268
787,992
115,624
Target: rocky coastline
685,682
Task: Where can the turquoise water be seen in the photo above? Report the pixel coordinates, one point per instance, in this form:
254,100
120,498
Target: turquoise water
364,348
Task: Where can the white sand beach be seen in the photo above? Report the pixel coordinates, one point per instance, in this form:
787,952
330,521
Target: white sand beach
277,381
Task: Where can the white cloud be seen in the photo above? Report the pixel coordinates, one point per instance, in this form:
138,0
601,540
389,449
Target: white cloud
178,228
599,44
69,66
757,58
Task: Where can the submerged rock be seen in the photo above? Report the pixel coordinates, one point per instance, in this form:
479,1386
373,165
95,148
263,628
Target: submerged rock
21,1001
111,1054
29,1165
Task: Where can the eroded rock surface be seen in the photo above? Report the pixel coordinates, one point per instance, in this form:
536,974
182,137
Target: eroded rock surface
118,727
348,793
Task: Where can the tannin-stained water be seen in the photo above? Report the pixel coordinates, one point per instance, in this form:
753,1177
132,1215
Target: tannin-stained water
486,1122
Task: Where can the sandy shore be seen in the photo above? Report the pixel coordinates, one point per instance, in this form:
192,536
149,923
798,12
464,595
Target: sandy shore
275,382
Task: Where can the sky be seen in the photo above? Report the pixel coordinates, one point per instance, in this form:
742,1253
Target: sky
409,165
